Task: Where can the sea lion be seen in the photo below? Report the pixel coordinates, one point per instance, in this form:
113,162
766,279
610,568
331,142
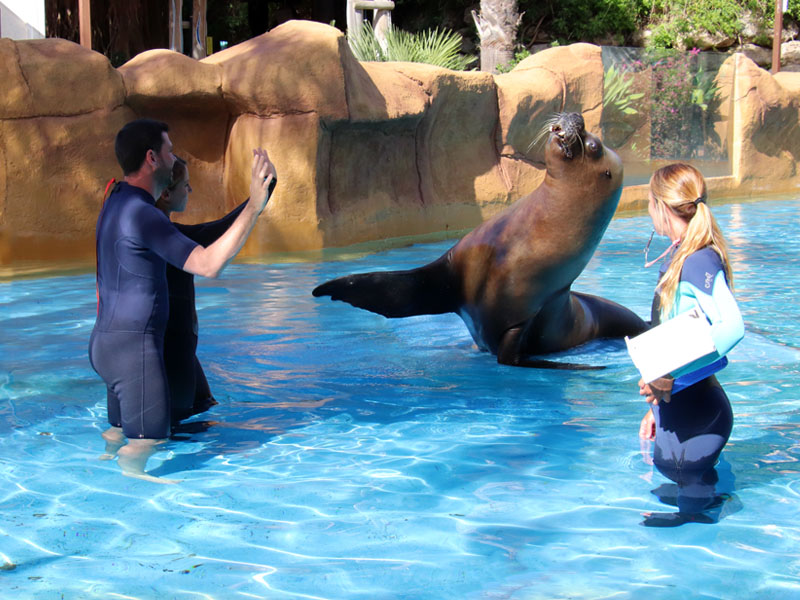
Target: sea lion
509,279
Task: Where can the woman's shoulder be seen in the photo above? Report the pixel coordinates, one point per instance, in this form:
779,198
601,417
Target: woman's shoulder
701,268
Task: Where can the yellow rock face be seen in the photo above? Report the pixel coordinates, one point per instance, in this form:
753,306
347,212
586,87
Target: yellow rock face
364,151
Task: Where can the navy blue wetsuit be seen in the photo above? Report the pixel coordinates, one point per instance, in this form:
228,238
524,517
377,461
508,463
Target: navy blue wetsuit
694,426
188,386
135,241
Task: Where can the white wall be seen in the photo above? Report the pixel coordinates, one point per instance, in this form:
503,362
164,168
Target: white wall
22,19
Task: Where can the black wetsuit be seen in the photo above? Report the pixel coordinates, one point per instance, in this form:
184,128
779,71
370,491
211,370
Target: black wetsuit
188,386
135,241
693,428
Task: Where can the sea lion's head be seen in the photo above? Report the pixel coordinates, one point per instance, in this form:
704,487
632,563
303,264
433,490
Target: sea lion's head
574,153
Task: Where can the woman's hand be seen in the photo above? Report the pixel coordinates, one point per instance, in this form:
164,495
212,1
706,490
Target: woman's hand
263,173
657,390
647,428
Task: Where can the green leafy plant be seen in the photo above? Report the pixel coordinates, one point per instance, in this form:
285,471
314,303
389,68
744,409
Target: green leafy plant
617,94
682,98
519,56
620,101
678,23
585,20
433,46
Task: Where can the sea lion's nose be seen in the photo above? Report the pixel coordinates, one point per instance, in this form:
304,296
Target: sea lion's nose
575,122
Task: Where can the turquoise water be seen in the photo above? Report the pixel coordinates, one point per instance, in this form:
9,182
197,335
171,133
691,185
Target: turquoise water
355,457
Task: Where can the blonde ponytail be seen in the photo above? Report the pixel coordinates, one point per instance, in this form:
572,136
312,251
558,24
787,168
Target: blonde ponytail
681,189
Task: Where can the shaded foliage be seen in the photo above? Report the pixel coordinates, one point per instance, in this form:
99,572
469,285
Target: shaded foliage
121,29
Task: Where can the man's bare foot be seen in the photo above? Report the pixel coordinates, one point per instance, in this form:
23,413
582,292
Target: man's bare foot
114,441
151,478
133,459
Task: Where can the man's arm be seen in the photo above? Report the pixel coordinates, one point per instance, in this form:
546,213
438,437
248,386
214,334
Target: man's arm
209,262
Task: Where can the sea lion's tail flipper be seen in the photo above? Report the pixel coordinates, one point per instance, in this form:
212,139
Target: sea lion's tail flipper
428,290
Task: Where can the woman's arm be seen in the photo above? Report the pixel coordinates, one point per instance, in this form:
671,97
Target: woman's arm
206,234
727,325
209,262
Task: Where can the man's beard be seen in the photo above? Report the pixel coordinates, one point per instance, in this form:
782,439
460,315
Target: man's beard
163,175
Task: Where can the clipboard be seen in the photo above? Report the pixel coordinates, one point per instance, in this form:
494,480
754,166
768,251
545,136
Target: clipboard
673,344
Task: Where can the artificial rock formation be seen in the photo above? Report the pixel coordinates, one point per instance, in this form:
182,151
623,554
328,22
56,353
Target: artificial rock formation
364,151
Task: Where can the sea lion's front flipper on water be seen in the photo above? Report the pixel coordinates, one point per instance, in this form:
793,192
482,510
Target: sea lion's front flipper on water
510,353
428,290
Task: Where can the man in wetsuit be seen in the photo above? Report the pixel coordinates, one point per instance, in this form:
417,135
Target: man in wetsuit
135,242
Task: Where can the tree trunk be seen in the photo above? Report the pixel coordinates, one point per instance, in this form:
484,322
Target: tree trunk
497,29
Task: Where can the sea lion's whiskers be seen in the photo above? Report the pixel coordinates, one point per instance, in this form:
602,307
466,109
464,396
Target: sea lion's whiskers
547,128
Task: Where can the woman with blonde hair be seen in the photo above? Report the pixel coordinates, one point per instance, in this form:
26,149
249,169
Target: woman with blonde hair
690,418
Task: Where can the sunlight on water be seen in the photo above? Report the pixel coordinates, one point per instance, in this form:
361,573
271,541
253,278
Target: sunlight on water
355,457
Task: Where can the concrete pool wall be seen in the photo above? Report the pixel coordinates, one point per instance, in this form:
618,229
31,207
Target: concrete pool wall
364,151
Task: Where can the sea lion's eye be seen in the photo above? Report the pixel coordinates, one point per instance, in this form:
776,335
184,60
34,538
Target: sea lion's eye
608,173
592,146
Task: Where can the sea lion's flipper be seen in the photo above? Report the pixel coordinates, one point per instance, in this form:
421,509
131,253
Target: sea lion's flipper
611,320
428,290
509,352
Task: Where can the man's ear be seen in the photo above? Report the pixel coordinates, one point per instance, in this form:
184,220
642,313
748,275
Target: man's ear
151,158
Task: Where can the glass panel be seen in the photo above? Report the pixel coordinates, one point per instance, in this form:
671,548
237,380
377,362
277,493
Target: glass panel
664,106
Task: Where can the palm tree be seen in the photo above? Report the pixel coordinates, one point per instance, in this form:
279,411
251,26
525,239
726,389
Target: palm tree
497,28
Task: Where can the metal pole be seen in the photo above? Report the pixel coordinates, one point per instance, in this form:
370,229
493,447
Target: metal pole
85,23
776,37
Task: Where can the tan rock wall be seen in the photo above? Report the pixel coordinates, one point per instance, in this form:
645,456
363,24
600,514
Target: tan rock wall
364,151
58,104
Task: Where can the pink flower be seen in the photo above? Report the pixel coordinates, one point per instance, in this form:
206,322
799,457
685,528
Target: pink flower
695,51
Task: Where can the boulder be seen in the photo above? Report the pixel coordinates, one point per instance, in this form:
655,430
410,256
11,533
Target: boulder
790,56
54,77
55,170
758,54
295,68
162,78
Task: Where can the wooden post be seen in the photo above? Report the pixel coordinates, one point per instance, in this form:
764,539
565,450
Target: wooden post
355,19
199,29
176,25
381,22
776,36
381,17
85,23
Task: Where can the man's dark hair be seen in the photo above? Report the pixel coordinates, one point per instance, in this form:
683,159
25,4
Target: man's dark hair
135,139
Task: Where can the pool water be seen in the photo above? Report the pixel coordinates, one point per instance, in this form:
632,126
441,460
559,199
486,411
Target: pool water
357,457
